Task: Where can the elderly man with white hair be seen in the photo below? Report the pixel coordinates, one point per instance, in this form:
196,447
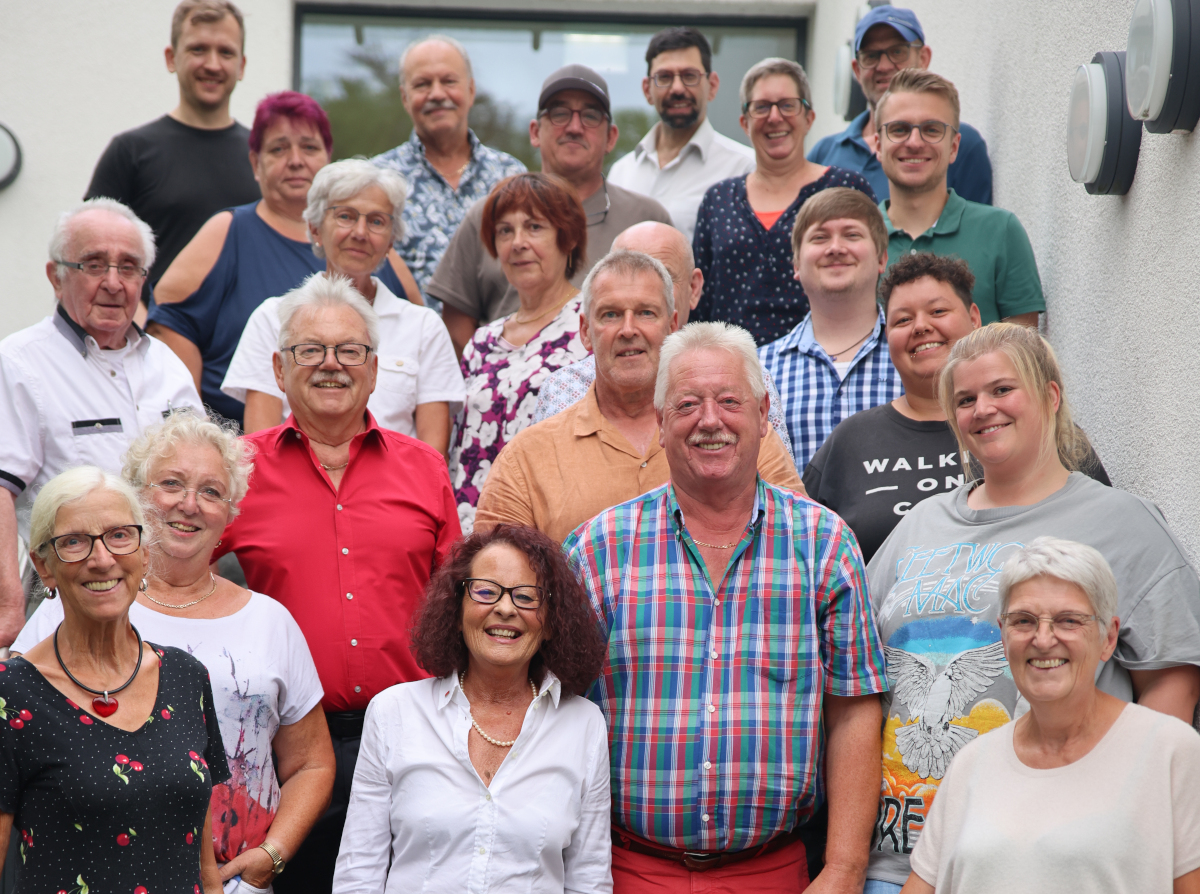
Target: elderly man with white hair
447,167
83,383
344,523
742,680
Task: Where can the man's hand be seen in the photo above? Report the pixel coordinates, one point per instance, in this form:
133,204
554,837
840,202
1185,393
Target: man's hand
12,591
838,880
254,865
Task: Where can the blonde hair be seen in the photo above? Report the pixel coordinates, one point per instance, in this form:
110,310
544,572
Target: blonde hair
68,487
918,80
1036,366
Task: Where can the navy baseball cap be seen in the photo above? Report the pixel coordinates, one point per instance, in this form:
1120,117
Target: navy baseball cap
575,77
903,20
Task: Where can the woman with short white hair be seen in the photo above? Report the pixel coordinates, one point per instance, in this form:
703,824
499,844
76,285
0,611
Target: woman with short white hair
353,218
191,473
1084,792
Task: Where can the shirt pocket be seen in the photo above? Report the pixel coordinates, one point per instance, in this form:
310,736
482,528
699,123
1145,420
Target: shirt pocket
398,379
99,442
772,639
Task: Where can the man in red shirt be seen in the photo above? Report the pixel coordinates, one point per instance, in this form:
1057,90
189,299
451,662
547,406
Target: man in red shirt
344,524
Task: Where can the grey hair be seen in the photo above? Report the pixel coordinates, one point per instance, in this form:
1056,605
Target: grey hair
185,427
68,487
345,179
322,290
1073,563
436,38
623,262
775,65
712,337
62,229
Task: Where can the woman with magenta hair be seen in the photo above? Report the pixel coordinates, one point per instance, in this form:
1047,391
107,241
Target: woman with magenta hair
244,255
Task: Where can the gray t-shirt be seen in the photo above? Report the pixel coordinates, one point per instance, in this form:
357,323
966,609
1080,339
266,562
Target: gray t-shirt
934,593
471,281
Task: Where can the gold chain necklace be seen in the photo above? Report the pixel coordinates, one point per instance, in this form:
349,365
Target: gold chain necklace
146,593
554,309
715,545
479,729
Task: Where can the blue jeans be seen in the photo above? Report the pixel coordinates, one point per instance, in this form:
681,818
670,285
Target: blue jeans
878,886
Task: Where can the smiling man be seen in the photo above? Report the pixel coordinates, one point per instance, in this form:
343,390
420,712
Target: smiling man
835,362
446,166
573,132
743,667
180,170
82,384
681,157
346,522
605,449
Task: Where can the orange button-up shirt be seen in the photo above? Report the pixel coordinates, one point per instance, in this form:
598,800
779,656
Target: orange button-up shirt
558,474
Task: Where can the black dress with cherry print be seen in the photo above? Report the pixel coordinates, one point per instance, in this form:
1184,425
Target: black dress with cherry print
98,809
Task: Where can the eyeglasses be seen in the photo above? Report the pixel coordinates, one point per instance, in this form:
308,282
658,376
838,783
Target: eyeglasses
897,54
488,592
208,493
931,131
664,79
119,541
788,108
1026,624
346,218
96,269
560,116
348,354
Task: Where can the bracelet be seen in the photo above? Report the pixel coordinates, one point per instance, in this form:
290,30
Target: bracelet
276,857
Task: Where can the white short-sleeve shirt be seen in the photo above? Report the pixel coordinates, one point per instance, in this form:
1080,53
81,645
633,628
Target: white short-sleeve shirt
417,364
65,402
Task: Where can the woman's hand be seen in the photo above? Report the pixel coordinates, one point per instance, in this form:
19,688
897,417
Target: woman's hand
210,876
254,865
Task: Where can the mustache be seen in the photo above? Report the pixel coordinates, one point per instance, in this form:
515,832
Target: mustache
434,104
331,375
711,437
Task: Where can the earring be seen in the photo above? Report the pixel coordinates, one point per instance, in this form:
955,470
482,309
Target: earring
48,593
145,585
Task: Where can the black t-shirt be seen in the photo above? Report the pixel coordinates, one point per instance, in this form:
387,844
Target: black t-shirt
876,465
176,177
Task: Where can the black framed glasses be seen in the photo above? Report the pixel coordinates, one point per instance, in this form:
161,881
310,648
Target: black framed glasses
931,131
1027,624
346,218
560,116
347,354
174,488
691,77
96,269
488,592
897,54
788,108
75,547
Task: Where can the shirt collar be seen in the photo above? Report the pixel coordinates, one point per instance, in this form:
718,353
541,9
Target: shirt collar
80,340
472,140
802,339
448,689
589,419
372,430
386,303
702,140
948,221
756,512
853,133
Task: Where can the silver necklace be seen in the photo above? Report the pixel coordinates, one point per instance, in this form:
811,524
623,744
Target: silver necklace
186,604
479,729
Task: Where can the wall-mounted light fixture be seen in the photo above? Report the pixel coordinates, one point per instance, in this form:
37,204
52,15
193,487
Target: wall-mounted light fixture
1102,139
10,157
1163,65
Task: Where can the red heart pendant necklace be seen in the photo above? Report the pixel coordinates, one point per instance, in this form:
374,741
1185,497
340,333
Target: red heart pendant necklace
103,704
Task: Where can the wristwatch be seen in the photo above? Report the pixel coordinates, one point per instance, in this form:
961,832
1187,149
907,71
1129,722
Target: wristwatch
275,856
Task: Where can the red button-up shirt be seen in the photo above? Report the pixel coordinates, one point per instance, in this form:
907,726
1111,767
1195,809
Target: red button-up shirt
350,563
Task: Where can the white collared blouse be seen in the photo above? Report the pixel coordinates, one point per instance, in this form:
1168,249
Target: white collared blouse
417,802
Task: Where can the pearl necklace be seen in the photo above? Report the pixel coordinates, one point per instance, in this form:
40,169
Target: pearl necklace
146,593
479,729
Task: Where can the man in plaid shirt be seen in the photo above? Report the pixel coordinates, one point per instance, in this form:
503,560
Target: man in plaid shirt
742,680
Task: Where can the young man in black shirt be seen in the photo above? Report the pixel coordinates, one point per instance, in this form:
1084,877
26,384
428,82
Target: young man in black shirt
876,465
179,170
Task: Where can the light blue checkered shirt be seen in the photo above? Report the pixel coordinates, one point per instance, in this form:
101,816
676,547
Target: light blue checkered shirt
815,398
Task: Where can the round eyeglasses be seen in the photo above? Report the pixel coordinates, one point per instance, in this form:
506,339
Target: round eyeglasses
77,546
931,131
347,354
346,218
488,592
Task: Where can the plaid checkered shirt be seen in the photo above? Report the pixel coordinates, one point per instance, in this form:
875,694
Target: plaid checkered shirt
815,398
713,695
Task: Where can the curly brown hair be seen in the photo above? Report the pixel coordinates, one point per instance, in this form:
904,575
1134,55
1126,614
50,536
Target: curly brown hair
574,649
949,270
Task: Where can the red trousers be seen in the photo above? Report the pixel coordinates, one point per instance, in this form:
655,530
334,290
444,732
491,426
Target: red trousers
784,871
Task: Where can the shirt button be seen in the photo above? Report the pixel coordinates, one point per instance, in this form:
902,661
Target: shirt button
643,465
358,689
399,362
912,251
113,373
345,552
354,642
488,796
339,507
711,708
349,595
482,851
296,433
704,817
716,602
708,765
713,653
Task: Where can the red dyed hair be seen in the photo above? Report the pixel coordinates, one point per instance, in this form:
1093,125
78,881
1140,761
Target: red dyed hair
289,104
543,195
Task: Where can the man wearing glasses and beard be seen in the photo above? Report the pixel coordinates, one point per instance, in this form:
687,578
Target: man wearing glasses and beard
679,159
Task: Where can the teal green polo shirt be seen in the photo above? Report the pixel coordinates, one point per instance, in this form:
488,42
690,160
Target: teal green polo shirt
995,247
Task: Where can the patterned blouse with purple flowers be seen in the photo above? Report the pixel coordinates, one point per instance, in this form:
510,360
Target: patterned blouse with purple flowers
502,394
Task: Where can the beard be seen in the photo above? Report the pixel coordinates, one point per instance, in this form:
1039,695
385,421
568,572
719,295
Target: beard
679,119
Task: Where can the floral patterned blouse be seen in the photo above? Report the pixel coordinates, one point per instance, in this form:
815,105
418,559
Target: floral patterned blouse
502,394
101,809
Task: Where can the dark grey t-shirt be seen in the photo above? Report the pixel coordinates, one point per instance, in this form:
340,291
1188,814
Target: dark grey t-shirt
934,593
470,280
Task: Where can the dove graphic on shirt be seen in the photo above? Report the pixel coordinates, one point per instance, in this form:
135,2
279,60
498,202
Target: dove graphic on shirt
934,699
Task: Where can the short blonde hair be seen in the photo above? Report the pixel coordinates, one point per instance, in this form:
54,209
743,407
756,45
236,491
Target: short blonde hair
837,203
708,336
918,80
68,487
185,427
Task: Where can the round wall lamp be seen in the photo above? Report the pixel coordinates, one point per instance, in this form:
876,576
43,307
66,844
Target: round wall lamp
10,157
1102,139
1163,79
